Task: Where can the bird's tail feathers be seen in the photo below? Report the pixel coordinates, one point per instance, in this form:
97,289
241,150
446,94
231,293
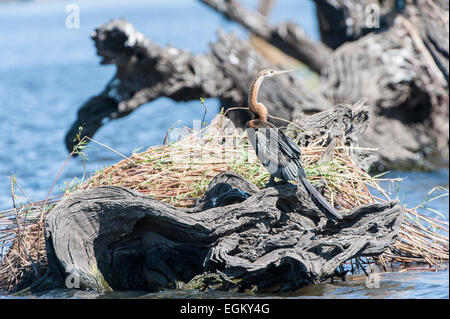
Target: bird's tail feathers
319,200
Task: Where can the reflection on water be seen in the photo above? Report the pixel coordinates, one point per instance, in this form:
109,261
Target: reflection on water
47,71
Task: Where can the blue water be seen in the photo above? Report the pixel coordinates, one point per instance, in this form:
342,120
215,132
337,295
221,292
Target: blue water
47,71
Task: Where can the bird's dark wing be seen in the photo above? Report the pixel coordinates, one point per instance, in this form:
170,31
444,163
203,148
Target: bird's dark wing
276,151
290,158
288,144
265,145
318,199
282,158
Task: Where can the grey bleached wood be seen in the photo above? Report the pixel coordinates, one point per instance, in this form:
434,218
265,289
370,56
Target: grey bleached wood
407,94
342,21
286,36
346,122
112,238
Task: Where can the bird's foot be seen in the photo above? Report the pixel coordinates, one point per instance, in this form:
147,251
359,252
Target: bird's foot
271,182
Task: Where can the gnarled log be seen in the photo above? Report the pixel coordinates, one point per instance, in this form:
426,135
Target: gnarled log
407,93
287,36
112,238
342,21
145,72
348,122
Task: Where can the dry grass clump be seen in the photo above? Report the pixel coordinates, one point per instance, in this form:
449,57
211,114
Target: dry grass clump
23,258
179,173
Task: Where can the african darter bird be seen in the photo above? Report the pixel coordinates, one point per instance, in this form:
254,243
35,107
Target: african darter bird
276,151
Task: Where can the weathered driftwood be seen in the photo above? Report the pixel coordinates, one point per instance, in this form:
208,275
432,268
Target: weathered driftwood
405,89
236,238
342,21
345,122
287,36
430,18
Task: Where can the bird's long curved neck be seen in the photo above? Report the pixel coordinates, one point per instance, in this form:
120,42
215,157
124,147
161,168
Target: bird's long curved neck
257,108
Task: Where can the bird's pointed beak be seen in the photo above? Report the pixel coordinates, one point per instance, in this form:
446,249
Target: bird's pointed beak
282,71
